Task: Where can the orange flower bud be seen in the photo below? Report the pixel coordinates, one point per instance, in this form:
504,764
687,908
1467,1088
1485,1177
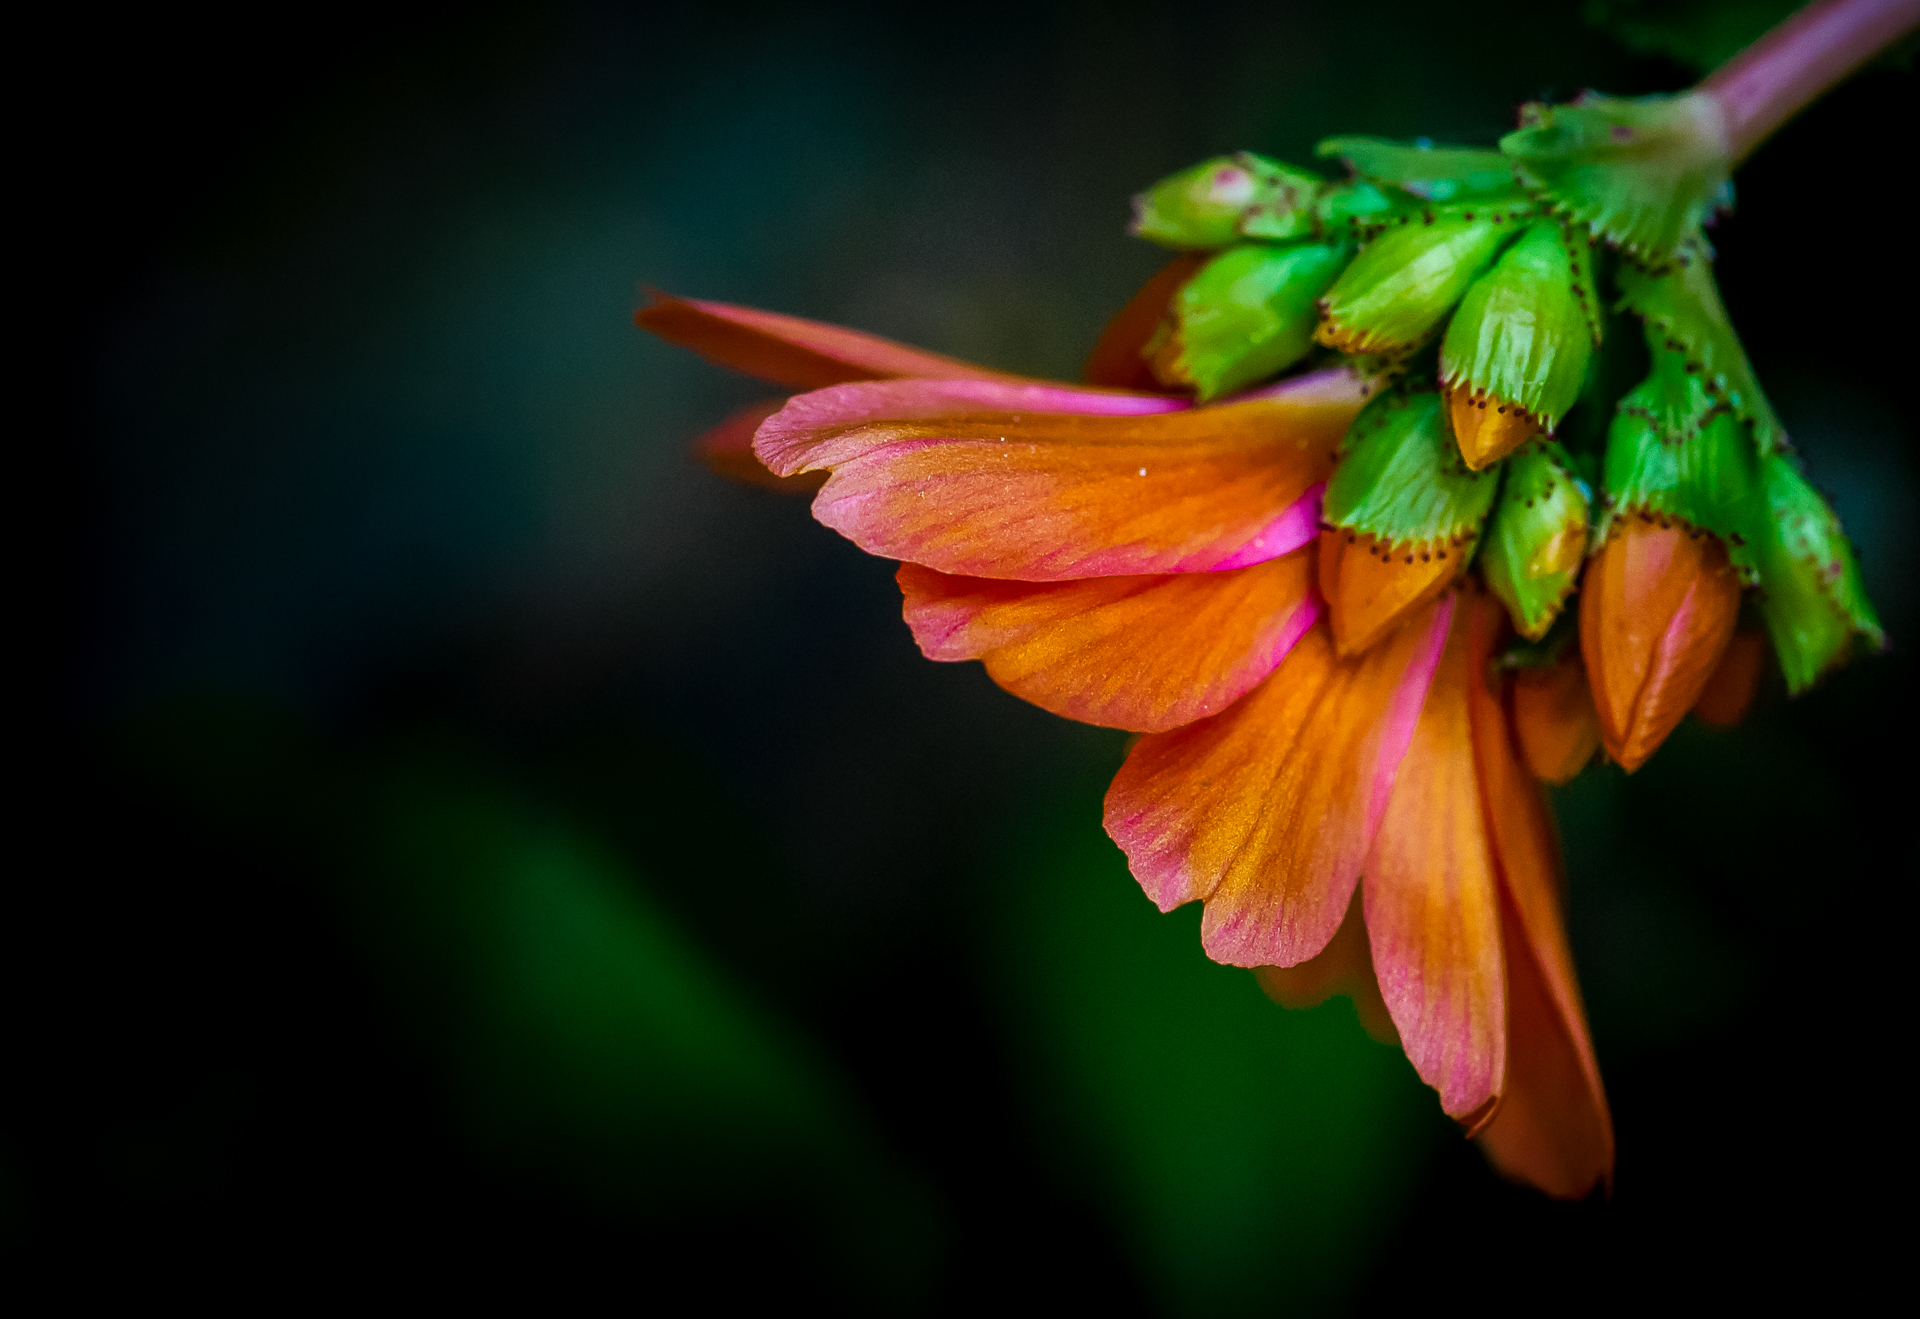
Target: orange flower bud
1554,718
1657,610
1487,426
1370,588
1729,693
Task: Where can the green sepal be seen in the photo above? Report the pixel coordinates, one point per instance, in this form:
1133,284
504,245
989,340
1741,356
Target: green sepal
1641,173
1707,477
1401,478
1353,209
1811,595
1438,174
1279,222
1248,313
1340,210
1402,285
1201,207
1683,312
1361,210
1522,333
1536,541
1674,400
1586,284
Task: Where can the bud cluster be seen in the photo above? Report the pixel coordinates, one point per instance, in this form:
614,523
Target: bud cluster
1468,284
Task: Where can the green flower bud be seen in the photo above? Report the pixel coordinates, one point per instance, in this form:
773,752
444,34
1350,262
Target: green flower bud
1403,284
1401,480
1517,350
1435,174
1248,314
1683,313
1537,539
1669,458
1810,590
1201,207
1642,174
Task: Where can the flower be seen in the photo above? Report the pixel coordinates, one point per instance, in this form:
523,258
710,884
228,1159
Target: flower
1553,716
1307,606
1387,793
1129,559
1656,614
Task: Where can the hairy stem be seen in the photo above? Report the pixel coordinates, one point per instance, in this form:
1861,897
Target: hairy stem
1779,75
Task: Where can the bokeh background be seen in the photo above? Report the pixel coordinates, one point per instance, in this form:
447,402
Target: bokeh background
467,848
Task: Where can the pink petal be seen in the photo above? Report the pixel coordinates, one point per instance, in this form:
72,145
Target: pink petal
1047,483
1267,811
1553,1129
727,449
1432,907
1142,653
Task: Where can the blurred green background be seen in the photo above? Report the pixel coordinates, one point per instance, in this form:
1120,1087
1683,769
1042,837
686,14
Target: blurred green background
483,853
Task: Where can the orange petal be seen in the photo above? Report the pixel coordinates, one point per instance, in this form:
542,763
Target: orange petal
1116,361
790,351
1370,589
1144,653
1487,427
1554,718
727,449
1552,1129
1729,693
1433,912
1657,609
1046,483
1344,966
1267,811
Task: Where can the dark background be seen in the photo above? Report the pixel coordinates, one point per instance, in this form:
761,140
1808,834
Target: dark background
466,847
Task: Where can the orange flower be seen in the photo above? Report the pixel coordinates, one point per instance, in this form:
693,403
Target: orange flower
1554,719
1342,787
1657,610
1125,558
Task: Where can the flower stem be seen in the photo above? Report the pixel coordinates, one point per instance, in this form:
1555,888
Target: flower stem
1779,75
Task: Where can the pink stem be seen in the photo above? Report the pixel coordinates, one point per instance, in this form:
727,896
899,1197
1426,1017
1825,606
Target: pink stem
1779,75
